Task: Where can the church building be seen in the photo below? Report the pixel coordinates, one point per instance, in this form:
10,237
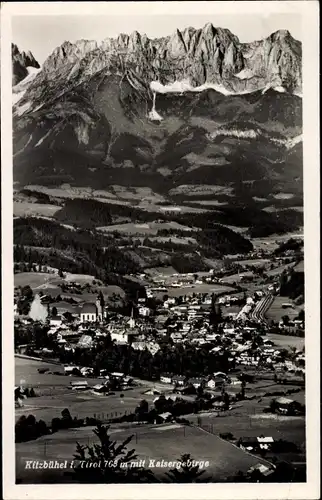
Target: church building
93,312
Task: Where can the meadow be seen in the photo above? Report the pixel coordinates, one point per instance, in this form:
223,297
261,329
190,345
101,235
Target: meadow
277,311
167,442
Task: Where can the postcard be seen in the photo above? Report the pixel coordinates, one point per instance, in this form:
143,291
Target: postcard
160,250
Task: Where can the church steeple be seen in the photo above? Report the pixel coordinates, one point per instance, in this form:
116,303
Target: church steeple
131,322
100,306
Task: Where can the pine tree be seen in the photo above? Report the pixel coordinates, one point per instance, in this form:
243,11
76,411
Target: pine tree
115,462
187,473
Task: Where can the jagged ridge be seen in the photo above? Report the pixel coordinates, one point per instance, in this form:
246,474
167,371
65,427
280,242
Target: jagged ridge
207,55
20,62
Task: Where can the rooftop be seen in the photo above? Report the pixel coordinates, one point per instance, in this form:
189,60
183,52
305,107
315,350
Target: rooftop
88,308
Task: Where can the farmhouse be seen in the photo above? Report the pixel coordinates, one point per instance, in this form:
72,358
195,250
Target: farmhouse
178,379
196,382
166,378
165,417
215,381
265,443
219,405
248,443
100,388
263,469
287,406
69,369
79,385
144,311
56,321
85,342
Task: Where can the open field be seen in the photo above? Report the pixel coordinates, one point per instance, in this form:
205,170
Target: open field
237,277
28,209
79,278
161,271
167,442
271,242
49,283
174,239
201,189
276,311
204,288
253,262
145,229
248,421
238,229
286,341
55,395
278,270
231,310
81,405
35,280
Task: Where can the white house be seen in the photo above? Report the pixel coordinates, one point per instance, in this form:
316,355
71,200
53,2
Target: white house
144,311
117,375
166,378
56,321
265,442
179,379
120,336
211,384
69,369
196,382
79,385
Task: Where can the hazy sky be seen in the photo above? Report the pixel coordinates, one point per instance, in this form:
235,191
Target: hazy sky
42,34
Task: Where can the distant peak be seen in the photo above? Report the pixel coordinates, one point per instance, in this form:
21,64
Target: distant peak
281,35
177,34
21,61
135,34
208,27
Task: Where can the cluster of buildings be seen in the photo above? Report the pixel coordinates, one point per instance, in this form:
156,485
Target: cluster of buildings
182,320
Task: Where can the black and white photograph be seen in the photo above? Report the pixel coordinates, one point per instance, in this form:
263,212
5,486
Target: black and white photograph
159,295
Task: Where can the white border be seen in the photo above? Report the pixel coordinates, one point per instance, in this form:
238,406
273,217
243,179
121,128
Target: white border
310,490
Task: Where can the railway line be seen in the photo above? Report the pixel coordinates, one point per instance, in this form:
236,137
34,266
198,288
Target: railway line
258,314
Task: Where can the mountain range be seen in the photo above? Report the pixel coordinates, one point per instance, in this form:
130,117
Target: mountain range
177,114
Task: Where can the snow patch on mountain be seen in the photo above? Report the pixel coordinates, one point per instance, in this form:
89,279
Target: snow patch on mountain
16,96
20,110
239,134
176,87
43,139
19,90
82,133
280,89
182,86
218,88
244,74
32,72
289,143
153,114
277,88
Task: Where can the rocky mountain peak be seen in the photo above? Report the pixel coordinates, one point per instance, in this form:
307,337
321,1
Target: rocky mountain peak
208,29
281,35
20,62
134,41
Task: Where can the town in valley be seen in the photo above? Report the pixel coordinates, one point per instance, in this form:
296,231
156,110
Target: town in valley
215,355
